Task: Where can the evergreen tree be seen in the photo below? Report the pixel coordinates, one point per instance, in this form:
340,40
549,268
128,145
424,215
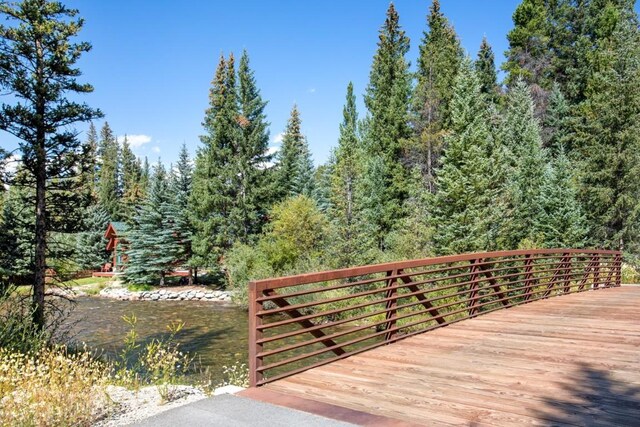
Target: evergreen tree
17,242
346,201
606,138
109,186
554,131
520,135
37,59
93,167
486,70
255,180
132,191
438,63
91,245
153,243
214,198
463,210
562,222
387,100
294,165
181,184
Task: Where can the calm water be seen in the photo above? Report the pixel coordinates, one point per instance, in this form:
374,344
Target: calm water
216,333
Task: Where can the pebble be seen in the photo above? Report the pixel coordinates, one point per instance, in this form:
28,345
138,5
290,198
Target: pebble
163,295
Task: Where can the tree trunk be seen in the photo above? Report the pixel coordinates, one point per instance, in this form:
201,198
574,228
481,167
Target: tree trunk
190,279
162,278
41,213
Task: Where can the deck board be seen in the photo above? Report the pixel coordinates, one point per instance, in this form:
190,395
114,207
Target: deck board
568,360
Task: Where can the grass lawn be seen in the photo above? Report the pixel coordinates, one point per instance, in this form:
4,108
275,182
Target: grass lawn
90,285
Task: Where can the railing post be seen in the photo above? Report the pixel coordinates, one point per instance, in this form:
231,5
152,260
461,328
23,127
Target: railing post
618,270
255,334
528,276
390,316
567,273
473,287
596,275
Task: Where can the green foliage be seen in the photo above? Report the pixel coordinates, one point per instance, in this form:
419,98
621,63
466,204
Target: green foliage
562,221
294,173
486,70
556,119
606,137
133,189
91,245
109,188
17,225
464,208
387,99
153,244
520,136
438,63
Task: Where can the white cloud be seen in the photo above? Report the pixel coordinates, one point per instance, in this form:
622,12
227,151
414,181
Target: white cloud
155,149
272,150
312,90
135,141
11,163
278,138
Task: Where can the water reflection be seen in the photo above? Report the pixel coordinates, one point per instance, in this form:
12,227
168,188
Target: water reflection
217,333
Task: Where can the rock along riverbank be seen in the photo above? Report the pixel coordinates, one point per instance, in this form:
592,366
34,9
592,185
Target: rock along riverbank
191,294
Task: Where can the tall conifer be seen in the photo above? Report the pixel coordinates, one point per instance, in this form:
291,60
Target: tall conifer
486,70
440,56
294,165
387,99
109,187
463,209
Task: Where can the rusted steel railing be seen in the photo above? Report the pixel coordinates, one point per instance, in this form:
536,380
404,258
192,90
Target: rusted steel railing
304,321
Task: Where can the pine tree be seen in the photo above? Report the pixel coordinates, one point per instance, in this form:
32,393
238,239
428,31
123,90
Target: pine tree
17,242
132,191
438,63
346,201
153,244
214,199
91,245
109,186
38,55
554,131
463,207
387,99
486,70
93,169
181,185
255,179
606,138
294,173
520,135
562,222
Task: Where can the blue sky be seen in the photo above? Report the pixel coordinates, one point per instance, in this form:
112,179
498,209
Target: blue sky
152,61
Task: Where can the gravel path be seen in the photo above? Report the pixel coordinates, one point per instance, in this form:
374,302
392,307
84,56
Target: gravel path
130,406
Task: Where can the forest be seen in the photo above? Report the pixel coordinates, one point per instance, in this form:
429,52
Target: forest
445,159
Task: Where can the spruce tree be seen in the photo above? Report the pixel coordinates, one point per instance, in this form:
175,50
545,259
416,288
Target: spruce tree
294,172
131,173
153,246
255,179
606,137
486,70
38,56
346,201
438,63
387,99
91,245
109,187
520,135
556,120
463,209
214,199
181,185
562,222
93,168
17,243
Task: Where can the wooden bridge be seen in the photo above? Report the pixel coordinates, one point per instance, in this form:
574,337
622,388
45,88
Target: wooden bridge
566,350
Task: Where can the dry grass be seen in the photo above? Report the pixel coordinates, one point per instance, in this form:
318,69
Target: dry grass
51,388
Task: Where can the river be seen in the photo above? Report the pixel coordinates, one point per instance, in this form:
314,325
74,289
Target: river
216,333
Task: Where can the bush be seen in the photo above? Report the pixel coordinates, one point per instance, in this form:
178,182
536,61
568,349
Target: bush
630,274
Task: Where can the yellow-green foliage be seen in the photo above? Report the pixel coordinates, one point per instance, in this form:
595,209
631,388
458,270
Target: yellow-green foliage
630,274
51,388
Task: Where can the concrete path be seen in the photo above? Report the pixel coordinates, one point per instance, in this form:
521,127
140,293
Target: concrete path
231,411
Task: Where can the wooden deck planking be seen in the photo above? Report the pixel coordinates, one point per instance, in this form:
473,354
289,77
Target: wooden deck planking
572,360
